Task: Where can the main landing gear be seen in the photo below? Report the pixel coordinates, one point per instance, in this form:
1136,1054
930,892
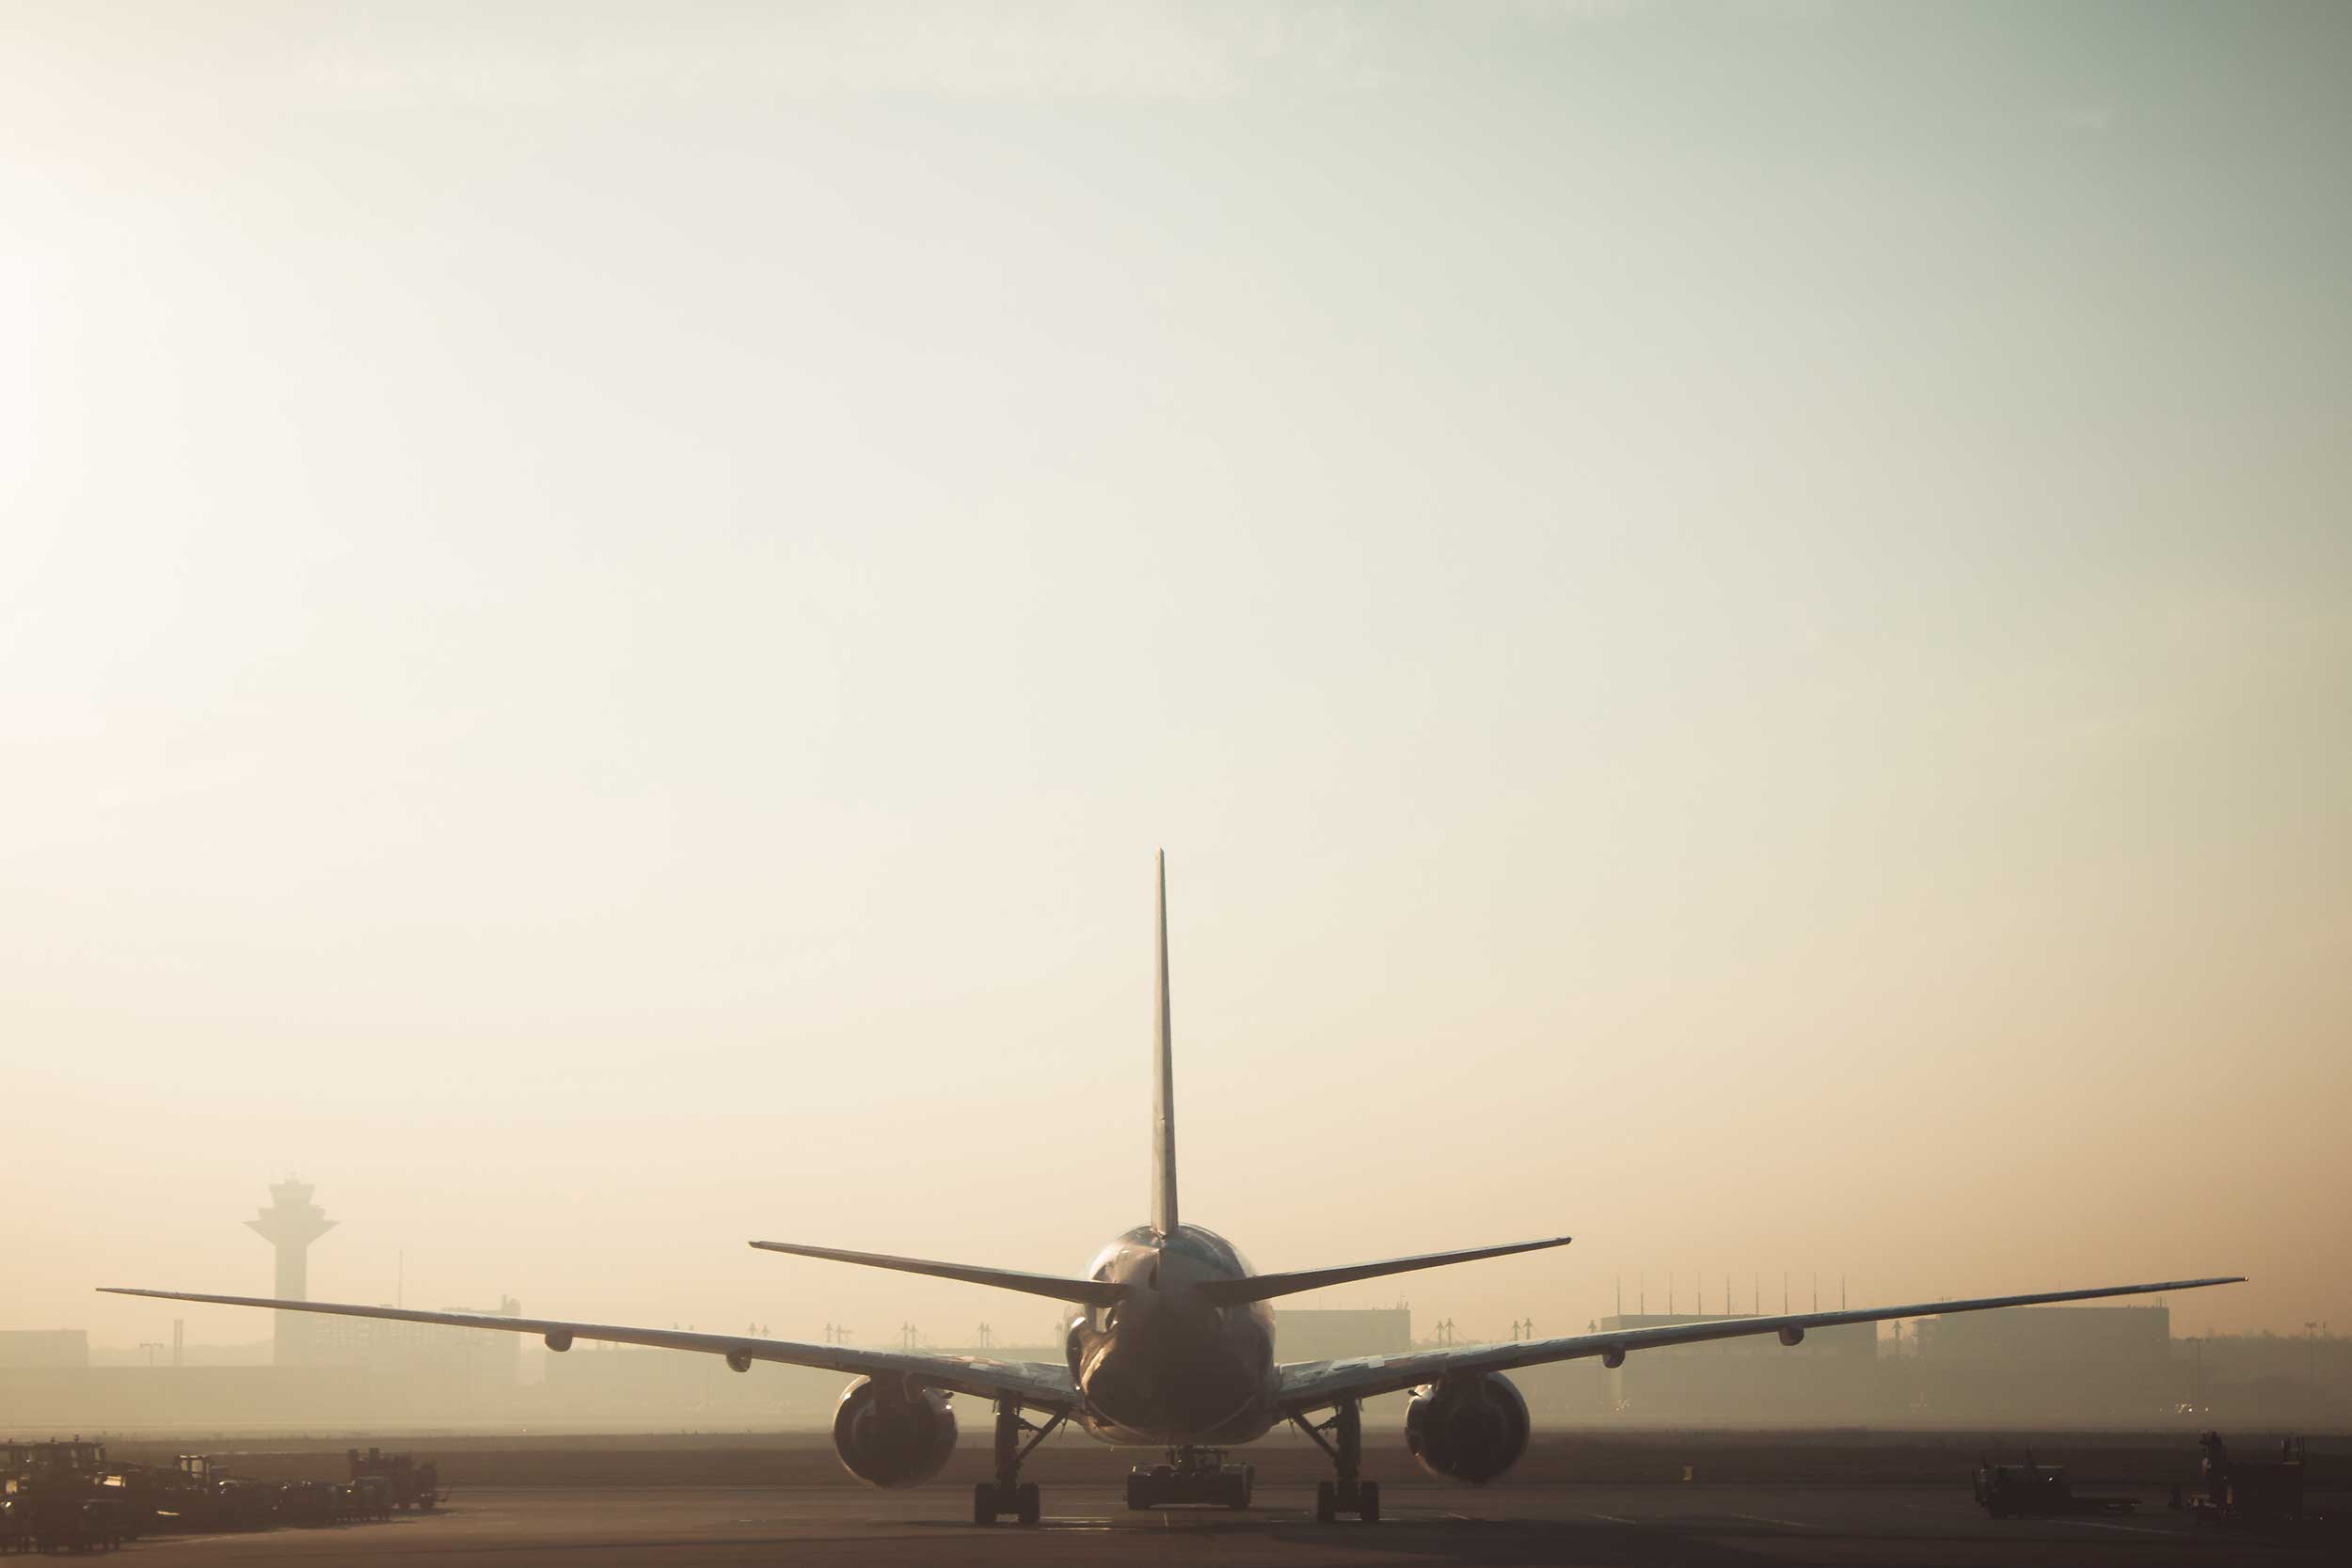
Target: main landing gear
1350,1493
1009,1494
1192,1475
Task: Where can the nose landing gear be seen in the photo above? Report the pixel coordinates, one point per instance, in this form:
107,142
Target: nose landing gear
1009,1494
1192,1475
1350,1493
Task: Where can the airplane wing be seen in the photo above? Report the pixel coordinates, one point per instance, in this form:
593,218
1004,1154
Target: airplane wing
1037,1384
1313,1385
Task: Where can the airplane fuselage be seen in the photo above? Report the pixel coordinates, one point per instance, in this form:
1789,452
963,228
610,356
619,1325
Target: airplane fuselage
1162,1366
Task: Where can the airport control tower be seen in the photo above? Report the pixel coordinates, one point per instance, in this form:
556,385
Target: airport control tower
291,1224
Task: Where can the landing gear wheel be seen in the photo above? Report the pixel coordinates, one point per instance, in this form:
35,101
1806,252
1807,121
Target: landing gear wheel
992,1499
1137,1501
1349,1493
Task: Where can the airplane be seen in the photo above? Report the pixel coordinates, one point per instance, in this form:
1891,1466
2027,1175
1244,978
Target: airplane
1171,1344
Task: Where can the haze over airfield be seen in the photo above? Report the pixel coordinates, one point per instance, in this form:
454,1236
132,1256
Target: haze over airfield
1734,619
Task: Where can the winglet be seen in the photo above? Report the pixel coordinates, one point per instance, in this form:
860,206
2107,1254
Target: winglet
1163,1083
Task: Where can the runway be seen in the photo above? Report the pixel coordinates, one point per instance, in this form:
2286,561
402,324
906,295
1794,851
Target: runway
522,1526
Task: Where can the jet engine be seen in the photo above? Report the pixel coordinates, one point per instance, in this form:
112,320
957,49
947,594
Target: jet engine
888,1436
1468,1429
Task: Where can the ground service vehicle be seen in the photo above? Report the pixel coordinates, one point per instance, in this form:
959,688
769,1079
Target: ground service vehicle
2248,1492
57,1501
408,1484
2003,1490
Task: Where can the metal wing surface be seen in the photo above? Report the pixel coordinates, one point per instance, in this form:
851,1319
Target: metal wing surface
1098,1293
1312,1384
1037,1384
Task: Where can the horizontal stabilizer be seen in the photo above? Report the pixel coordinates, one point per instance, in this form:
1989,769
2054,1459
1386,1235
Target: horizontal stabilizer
1095,1292
1264,1286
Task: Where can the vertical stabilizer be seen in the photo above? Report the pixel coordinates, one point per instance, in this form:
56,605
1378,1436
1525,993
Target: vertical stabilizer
1163,1084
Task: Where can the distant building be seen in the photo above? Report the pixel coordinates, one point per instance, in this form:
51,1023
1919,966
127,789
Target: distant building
2127,1338
624,1388
481,1361
44,1347
1752,1380
1335,1334
2044,1363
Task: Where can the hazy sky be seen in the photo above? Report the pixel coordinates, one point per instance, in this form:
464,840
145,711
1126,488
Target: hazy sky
1737,622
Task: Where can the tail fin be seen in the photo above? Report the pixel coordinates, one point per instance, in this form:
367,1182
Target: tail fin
1163,1085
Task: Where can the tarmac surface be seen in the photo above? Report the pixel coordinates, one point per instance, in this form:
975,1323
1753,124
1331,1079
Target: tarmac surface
1577,1497
519,1527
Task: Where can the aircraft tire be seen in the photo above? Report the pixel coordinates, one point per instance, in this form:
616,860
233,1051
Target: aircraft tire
984,1503
1326,1503
1368,1501
1027,1506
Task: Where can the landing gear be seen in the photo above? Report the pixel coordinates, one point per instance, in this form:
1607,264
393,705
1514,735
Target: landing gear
1009,1494
990,1502
1350,1493
1192,1475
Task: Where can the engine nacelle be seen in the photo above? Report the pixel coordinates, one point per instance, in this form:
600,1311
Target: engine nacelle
888,1437
1468,1429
